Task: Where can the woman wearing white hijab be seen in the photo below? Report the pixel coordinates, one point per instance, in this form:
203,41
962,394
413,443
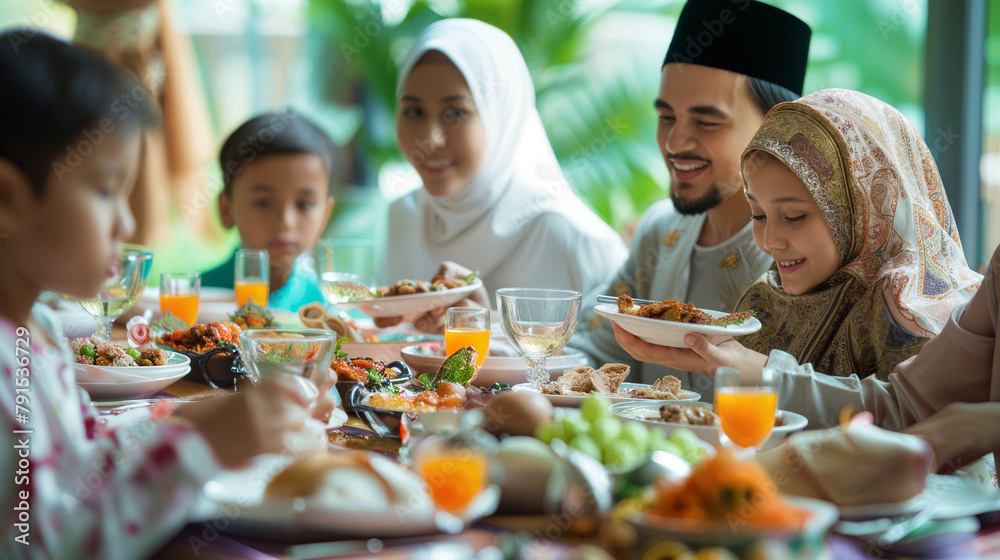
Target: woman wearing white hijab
493,196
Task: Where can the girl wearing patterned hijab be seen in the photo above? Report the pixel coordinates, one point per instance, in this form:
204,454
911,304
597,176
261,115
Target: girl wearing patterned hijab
494,198
900,268
847,200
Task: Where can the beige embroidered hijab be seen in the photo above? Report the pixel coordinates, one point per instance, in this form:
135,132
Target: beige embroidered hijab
879,190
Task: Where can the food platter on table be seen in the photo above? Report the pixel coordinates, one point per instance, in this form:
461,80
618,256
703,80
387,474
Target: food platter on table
621,396
393,306
120,382
672,333
428,357
648,413
332,516
807,543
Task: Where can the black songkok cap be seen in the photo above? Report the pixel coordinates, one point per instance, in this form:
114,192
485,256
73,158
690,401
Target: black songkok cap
743,36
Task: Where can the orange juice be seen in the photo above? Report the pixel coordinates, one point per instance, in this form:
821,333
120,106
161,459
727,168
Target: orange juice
251,289
454,339
454,480
747,413
183,306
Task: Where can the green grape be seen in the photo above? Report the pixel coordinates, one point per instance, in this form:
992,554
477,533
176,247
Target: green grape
546,432
669,447
638,435
605,430
573,425
686,441
594,407
620,454
586,444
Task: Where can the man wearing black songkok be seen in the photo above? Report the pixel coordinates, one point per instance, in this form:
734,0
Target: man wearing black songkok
728,63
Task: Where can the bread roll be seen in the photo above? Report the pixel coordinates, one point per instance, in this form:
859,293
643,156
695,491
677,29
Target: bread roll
312,315
353,480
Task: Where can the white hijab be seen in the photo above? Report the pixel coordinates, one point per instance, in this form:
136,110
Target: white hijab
519,210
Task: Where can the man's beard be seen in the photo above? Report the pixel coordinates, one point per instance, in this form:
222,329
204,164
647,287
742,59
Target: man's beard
711,199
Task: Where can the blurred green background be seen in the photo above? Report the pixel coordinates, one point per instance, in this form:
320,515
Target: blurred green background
595,65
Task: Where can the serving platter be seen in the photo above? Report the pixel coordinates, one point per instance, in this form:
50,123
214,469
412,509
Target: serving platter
394,306
575,400
672,333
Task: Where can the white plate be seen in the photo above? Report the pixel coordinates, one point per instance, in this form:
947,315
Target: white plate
807,543
120,374
394,306
575,400
238,497
951,496
640,411
130,389
671,333
423,358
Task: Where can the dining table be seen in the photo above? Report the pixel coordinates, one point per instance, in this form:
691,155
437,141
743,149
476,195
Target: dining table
492,537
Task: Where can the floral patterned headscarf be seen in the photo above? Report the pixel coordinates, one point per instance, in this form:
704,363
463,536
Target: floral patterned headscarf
879,190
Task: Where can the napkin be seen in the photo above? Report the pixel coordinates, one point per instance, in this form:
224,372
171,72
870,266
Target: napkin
850,466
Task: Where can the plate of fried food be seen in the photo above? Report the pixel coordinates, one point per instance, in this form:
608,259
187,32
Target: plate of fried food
406,297
575,384
666,323
109,371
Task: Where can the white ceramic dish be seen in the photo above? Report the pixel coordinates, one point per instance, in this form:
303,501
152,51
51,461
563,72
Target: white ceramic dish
575,400
672,333
238,496
130,389
112,374
642,411
808,543
424,358
394,306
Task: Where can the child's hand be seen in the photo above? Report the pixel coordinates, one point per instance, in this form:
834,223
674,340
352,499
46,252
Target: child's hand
253,421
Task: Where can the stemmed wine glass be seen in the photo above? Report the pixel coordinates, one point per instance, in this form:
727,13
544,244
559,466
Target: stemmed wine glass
121,291
746,409
538,323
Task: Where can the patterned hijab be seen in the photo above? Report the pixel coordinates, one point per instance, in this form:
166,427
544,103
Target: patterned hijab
879,190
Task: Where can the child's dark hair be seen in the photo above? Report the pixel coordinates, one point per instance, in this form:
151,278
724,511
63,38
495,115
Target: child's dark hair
59,102
273,133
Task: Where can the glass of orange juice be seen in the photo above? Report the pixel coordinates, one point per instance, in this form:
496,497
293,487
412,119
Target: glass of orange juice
179,293
252,276
467,326
456,462
746,409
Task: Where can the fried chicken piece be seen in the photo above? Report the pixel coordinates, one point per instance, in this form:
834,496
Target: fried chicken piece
687,415
668,310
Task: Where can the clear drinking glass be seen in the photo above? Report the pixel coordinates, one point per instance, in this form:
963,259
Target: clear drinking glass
253,275
467,326
538,323
746,409
272,353
121,290
179,292
346,269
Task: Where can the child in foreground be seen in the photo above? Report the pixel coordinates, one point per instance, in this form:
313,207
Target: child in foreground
68,162
276,180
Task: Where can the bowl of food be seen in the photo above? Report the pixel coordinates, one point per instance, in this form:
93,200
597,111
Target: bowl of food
666,323
368,372
109,371
213,349
699,418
